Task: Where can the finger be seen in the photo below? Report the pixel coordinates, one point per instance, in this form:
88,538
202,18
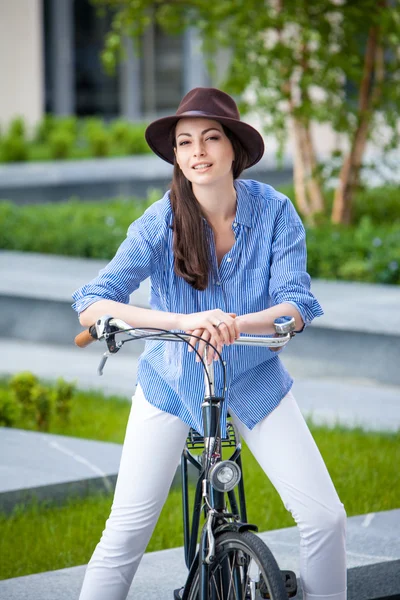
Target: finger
193,340
219,349
225,334
237,330
229,330
202,344
213,331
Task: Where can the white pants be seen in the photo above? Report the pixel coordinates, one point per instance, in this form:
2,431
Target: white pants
286,451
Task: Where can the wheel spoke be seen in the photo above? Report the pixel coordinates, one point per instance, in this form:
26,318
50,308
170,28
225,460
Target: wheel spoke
241,565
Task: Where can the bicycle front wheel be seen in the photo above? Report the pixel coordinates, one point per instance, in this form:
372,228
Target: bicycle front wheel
243,569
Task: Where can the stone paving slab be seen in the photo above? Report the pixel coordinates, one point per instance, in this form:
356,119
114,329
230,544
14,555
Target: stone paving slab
373,547
53,467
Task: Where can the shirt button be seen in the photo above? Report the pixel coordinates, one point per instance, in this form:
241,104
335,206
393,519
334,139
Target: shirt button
224,363
235,224
218,282
228,259
226,389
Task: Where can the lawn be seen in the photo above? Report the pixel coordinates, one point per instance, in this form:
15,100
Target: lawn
42,538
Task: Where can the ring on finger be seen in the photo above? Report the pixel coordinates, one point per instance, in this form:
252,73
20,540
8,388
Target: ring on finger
218,324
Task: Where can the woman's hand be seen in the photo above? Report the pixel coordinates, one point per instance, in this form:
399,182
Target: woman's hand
214,326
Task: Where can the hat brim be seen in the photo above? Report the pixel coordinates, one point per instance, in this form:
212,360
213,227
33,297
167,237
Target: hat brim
158,136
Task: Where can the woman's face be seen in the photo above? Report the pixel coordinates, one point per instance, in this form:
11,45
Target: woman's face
203,151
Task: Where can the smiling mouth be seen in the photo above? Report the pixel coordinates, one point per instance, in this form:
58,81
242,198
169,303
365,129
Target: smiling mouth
202,167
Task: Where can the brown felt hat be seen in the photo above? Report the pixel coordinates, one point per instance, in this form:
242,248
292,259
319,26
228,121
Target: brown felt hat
208,103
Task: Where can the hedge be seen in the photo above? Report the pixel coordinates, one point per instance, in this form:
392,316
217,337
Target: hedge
367,251
60,138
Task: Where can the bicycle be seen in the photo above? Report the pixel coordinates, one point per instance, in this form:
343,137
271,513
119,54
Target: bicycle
231,563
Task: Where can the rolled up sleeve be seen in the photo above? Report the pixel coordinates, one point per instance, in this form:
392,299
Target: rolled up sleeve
289,280
134,261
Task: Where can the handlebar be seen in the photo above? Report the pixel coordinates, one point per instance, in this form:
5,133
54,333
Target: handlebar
284,327
107,327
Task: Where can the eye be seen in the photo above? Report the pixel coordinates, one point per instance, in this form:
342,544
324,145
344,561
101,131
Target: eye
183,143
213,137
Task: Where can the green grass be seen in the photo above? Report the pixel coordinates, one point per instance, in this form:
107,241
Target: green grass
42,538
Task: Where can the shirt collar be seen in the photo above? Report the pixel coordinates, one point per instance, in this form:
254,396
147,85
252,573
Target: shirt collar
243,208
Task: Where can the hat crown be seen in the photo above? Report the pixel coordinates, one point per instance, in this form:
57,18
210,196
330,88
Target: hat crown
210,102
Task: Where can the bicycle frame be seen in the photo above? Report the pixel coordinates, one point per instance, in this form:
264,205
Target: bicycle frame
217,517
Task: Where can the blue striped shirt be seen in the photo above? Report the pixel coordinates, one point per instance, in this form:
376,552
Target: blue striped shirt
266,266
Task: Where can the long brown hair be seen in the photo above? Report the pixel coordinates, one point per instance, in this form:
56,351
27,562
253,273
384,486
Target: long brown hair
192,259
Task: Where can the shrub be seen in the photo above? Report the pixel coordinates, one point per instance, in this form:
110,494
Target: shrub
44,129
68,124
35,404
17,128
136,143
63,396
43,401
99,143
92,124
365,252
120,132
381,205
14,148
22,386
10,409
60,143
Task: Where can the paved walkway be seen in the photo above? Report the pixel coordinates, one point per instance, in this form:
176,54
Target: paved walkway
371,540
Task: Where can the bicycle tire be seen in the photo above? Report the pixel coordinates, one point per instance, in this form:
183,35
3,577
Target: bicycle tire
230,546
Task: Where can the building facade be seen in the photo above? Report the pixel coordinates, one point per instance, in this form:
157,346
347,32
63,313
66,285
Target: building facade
50,63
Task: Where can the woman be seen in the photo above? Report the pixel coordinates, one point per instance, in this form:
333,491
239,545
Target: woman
226,257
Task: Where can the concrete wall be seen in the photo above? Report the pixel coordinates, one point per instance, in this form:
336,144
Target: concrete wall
21,61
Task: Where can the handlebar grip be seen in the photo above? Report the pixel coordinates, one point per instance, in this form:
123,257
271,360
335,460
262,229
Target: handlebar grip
86,337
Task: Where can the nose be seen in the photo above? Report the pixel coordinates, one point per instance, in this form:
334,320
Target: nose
198,148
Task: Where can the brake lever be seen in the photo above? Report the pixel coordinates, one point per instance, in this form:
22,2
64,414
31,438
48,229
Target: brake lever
103,362
107,332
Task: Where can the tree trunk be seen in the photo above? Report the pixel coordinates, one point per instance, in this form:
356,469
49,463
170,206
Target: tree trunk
313,183
308,191
299,172
369,94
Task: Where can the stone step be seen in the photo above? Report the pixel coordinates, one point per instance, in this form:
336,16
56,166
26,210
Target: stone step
358,337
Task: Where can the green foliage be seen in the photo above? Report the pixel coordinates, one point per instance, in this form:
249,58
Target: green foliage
335,63
99,142
29,403
43,400
135,142
22,386
17,128
44,128
13,148
10,409
63,396
72,411
60,138
367,251
74,228
119,131
60,144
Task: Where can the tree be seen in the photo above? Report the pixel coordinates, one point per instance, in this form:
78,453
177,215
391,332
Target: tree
327,61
